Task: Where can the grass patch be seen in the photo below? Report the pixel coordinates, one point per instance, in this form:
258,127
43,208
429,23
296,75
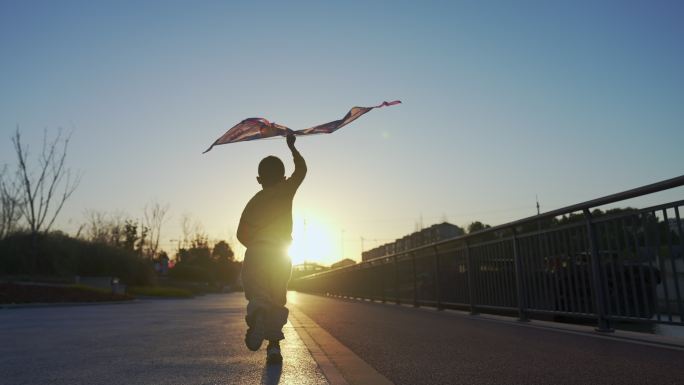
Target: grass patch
159,291
91,289
35,293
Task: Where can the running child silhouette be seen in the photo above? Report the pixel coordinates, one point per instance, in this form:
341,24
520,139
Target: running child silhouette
266,231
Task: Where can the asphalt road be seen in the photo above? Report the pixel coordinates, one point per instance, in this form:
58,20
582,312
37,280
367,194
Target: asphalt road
199,341
190,341
412,346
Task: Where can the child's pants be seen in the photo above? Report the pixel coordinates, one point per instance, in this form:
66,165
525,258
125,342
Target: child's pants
265,274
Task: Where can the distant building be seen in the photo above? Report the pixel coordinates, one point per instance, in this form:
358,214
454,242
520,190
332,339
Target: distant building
343,263
435,233
307,268
440,232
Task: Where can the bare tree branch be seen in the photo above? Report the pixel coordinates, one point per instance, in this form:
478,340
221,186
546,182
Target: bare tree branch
96,226
10,202
186,228
39,191
155,214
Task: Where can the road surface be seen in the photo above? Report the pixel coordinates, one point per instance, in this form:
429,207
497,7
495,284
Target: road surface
421,346
200,341
185,341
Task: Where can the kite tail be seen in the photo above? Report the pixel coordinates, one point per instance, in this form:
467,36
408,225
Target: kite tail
387,104
210,147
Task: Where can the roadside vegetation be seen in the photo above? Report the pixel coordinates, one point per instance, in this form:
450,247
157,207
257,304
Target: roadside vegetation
18,293
159,291
59,255
37,260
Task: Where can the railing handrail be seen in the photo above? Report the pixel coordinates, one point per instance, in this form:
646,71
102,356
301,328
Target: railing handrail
608,199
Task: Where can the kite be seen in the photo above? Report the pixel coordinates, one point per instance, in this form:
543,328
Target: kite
260,128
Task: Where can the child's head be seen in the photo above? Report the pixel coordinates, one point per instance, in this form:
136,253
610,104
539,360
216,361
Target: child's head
271,171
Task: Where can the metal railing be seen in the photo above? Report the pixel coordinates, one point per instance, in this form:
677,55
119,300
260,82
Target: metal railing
621,265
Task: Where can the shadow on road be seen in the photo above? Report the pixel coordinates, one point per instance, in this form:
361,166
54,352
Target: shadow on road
271,374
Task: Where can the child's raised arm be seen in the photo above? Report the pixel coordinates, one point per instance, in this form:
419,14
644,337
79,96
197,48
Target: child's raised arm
300,165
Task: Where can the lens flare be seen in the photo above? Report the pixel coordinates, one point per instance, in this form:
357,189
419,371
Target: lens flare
311,241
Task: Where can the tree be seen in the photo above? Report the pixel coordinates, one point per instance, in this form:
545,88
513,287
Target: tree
477,226
186,228
223,251
226,269
116,228
10,213
96,228
155,214
142,240
109,228
130,234
42,200
201,263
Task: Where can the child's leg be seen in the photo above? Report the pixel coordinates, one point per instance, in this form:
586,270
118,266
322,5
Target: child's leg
276,317
257,290
258,294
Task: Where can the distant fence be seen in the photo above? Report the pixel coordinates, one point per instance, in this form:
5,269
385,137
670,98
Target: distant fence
574,262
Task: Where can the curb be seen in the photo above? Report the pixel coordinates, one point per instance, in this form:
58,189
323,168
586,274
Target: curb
339,364
64,304
665,342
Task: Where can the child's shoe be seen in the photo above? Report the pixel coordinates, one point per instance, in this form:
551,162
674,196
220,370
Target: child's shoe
255,333
273,355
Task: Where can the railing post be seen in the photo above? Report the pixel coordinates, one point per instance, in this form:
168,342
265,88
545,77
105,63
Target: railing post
396,280
471,281
415,281
381,267
519,286
438,294
597,278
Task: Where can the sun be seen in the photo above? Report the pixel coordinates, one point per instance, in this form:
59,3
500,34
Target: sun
312,241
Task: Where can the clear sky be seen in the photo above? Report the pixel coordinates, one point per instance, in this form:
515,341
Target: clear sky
502,101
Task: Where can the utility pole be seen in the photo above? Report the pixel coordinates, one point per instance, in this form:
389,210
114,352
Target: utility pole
536,198
306,240
362,244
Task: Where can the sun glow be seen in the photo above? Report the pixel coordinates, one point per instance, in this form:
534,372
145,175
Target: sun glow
312,241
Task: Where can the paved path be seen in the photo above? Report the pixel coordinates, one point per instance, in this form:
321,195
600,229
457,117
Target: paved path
416,346
334,341
195,341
